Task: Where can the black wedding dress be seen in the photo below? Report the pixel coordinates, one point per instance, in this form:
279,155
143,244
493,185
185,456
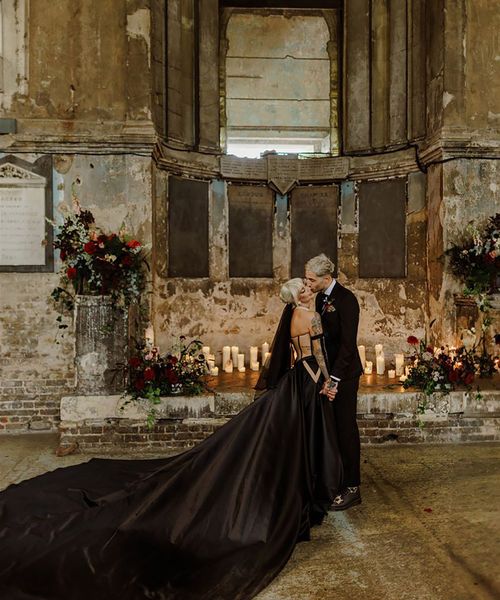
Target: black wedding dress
218,521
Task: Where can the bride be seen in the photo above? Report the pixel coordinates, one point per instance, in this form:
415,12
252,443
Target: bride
218,521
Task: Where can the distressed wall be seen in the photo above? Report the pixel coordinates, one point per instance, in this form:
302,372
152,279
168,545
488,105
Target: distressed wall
77,80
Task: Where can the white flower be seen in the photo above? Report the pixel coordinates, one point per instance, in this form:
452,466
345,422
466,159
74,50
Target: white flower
110,257
427,356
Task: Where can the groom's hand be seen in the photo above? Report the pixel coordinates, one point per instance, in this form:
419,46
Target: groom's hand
329,389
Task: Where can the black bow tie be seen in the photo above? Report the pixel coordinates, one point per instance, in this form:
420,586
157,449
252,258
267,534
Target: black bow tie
323,297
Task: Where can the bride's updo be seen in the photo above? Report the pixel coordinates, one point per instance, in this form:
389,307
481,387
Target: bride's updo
290,290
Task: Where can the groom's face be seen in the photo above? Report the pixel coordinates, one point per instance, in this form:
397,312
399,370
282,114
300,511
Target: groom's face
315,283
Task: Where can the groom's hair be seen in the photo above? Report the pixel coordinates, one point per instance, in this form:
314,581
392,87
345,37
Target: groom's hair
320,265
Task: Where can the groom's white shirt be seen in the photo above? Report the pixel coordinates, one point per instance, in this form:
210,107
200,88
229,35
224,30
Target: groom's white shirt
329,289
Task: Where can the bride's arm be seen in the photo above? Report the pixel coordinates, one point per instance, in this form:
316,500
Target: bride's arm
316,332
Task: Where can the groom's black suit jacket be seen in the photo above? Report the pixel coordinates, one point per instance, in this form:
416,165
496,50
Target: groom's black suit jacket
340,328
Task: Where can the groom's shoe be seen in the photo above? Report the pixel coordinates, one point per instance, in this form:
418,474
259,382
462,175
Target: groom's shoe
349,497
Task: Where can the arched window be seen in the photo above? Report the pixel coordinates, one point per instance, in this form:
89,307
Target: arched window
279,90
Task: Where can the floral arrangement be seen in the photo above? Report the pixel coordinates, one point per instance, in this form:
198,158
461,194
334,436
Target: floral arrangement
152,375
97,263
476,261
442,369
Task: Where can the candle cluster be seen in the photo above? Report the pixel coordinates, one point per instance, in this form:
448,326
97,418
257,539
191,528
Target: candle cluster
380,364
233,359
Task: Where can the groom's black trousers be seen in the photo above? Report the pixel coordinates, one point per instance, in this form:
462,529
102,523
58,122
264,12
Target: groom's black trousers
344,407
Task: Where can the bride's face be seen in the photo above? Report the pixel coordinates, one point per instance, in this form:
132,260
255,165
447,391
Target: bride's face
305,295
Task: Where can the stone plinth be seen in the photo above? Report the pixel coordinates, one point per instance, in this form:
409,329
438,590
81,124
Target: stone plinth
111,423
101,333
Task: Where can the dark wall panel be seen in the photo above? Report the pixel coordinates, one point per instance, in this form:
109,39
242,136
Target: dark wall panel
314,225
250,231
382,228
187,228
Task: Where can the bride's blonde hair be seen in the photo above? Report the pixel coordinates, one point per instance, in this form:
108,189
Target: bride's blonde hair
290,290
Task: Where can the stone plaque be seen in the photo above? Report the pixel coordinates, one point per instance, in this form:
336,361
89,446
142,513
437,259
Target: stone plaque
25,203
250,231
282,172
382,228
187,228
321,169
233,167
314,224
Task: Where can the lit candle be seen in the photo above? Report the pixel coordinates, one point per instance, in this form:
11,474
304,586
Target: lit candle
205,351
400,362
407,371
368,367
391,373
211,363
403,378
362,355
214,371
226,355
380,364
254,353
379,349
254,365
241,361
234,354
228,366
267,357
264,351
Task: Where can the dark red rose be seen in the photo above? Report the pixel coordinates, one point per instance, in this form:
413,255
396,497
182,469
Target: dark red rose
71,273
102,238
90,247
453,376
133,244
139,384
488,258
127,260
430,349
412,340
469,378
134,362
63,255
172,377
149,374
111,236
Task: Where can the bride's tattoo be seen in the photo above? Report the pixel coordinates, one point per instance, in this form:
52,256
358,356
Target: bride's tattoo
317,347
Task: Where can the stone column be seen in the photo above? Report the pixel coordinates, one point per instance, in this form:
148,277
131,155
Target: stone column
101,333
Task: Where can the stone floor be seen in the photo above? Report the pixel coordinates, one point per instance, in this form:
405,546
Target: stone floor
428,528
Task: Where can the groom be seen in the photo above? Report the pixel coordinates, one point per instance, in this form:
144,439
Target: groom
339,312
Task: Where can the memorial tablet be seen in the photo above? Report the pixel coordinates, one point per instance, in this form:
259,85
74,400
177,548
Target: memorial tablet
250,231
314,224
25,206
382,228
187,228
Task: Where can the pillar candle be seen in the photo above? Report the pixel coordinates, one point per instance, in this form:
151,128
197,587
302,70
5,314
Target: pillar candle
368,367
399,359
266,357
214,371
241,369
211,363
228,367
380,364
226,355
391,373
379,349
241,361
407,371
403,378
234,354
254,365
205,351
254,352
264,351
362,355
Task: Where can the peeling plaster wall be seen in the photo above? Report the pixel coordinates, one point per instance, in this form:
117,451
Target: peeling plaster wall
36,361
462,192
244,312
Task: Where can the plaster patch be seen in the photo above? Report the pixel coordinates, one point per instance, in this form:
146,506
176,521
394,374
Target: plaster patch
139,26
447,98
